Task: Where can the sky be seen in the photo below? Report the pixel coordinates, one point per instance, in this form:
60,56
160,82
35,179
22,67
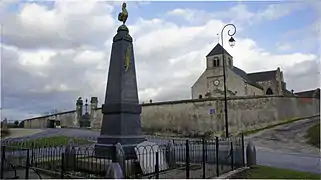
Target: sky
52,52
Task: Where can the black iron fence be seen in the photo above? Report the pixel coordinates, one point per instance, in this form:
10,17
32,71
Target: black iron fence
165,159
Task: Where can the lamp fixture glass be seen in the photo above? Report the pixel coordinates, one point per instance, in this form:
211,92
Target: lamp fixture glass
232,42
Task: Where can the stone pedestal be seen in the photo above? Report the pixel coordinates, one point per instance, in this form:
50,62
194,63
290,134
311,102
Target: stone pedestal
121,110
100,166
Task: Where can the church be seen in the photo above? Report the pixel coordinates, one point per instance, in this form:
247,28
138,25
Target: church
238,82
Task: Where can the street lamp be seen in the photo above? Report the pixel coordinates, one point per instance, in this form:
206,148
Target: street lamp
232,44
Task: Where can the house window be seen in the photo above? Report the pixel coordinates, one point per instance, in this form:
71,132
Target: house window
230,62
216,62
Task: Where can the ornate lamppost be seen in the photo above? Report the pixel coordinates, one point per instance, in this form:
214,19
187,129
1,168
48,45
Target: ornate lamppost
232,43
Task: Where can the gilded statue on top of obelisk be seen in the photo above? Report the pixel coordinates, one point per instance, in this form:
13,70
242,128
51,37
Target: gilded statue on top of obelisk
123,15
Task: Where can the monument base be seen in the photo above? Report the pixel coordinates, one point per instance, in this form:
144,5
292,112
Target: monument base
100,166
105,147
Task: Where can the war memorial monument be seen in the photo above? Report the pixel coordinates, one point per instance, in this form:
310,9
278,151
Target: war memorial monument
121,110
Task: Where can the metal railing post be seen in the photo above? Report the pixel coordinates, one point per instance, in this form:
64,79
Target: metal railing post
243,154
62,166
216,156
187,163
3,155
114,154
204,157
32,158
232,156
157,166
27,165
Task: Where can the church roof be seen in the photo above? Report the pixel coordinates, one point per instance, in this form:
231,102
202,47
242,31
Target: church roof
243,74
217,50
310,93
262,76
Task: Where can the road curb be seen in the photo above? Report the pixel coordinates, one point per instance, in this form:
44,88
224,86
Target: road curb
230,174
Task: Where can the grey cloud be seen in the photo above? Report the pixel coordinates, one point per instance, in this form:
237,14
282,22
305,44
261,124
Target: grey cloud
23,91
76,31
177,90
308,77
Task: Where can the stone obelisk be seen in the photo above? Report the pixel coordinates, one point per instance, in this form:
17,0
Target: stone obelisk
121,110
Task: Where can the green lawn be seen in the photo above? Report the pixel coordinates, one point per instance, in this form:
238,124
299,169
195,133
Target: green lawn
313,135
264,172
53,141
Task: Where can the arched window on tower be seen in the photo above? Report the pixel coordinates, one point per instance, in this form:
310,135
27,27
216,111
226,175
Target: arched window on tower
269,91
200,96
216,62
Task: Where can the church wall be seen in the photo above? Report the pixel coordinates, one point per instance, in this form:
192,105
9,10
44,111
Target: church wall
254,91
193,116
210,60
235,83
200,86
269,84
206,83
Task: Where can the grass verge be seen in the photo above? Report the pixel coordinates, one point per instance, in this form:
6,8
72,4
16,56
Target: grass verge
313,135
253,131
53,141
265,172
5,133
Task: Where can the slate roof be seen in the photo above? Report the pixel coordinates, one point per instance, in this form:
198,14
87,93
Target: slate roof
309,93
262,76
218,49
243,74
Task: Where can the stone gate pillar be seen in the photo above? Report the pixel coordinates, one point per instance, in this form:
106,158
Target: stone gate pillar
93,115
79,109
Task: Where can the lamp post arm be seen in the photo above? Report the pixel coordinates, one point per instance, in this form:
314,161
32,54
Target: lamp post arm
230,33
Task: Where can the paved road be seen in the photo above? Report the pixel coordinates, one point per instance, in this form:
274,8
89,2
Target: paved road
295,161
21,174
22,132
288,138
285,147
282,146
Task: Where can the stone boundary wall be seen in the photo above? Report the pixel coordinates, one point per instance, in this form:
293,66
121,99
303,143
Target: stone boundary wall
244,113
194,116
67,119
